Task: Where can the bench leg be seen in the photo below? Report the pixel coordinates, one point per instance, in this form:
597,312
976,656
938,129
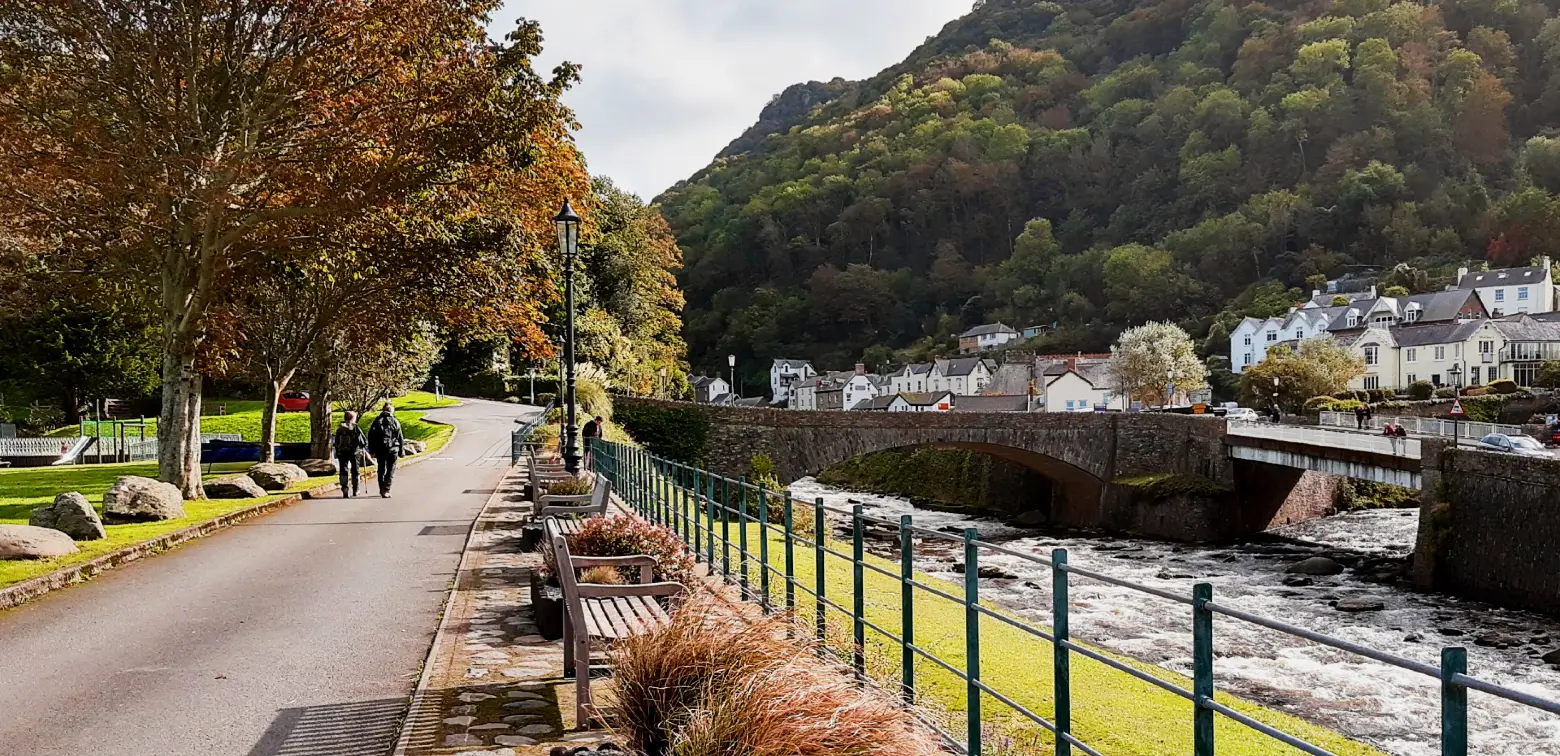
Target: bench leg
568,644
583,706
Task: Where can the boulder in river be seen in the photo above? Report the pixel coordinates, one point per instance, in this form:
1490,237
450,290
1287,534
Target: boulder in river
1031,519
72,515
1359,604
996,573
136,499
1297,581
1315,566
1495,640
29,542
1553,657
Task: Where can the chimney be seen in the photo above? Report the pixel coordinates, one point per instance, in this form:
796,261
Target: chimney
1372,291
861,369
1461,274
1316,293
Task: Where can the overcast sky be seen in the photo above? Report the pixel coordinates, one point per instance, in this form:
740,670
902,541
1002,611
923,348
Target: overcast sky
668,83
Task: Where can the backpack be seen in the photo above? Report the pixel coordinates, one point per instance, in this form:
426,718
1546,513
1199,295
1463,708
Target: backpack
381,434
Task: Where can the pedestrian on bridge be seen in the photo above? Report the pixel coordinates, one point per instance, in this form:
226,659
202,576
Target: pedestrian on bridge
351,446
386,443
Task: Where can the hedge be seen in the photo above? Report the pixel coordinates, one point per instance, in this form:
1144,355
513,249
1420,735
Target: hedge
677,434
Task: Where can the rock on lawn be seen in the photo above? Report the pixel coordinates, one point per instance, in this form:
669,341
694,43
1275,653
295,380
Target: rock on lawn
318,468
28,542
136,499
234,487
72,515
277,476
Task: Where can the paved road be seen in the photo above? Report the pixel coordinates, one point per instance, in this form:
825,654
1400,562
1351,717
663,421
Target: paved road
300,633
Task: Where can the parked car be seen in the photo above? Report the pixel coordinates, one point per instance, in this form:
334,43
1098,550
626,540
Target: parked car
1525,446
293,401
1242,413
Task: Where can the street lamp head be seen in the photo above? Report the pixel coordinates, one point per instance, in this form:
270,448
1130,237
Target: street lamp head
568,223
731,360
567,214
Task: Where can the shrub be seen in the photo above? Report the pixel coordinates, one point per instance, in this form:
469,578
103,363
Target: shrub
1504,386
711,682
592,399
677,434
542,400
1318,404
1421,390
1484,408
1380,395
1548,375
602,576
1345,395
1475,391
575,486
1346,405
1445,392
512,399
625,536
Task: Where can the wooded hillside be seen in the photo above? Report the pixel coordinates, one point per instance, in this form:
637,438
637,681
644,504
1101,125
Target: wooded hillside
1102,163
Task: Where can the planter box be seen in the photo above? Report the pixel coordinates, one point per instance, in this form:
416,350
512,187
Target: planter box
547,606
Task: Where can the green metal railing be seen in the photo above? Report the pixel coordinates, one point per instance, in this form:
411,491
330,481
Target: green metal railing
701,506
519,437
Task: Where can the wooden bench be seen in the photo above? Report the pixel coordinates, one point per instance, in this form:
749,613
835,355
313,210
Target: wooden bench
564,509
604,612
542,474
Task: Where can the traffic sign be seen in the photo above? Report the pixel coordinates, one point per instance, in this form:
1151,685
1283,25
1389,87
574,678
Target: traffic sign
1457,410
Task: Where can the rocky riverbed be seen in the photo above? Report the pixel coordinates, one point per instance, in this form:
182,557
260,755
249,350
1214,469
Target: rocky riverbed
1342,576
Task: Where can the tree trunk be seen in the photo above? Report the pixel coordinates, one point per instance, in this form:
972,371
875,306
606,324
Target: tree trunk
273,394
178,426
320,425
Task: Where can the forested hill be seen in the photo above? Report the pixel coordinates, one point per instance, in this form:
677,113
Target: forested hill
1102,163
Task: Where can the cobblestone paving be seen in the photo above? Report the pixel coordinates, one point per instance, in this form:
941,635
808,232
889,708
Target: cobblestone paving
497,687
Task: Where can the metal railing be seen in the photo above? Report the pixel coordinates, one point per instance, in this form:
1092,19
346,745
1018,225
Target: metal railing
522,435
1321,436
1422,426
54,446
698,506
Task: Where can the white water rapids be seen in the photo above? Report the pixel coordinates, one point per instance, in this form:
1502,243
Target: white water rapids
1391,708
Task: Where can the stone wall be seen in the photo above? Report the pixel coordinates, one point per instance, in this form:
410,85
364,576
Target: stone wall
1489,529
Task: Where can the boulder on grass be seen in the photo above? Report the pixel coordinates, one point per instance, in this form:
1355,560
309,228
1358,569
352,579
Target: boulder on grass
413,447
30,542
72,515
136,499
277,476
234,487
318,468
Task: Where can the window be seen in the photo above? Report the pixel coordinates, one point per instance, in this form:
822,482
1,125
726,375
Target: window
1473,376
1299,333
1500,295
1412,379
1497,312
1524,373
1372,354
1372,382
1411,355
1522,293
1248,359
1412,315
1440,353
1486,347
1272,337
1248,339
1070,405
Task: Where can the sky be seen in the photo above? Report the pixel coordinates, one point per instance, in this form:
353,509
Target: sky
668,83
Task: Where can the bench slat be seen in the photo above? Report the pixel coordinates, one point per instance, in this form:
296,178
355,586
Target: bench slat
654,610
604,625
591,628
619,624
631,618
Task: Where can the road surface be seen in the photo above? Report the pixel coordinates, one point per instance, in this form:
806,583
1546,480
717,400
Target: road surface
301,633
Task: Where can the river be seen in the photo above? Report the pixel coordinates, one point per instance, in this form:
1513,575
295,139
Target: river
1393,709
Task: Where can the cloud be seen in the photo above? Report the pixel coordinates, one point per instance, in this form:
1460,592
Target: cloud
668,83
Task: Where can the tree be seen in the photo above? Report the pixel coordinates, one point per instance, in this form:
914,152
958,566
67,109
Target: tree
375,366
93,343
1147,359
1548,375
175,143
1320,366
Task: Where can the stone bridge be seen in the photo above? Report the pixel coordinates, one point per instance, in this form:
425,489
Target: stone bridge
1102,465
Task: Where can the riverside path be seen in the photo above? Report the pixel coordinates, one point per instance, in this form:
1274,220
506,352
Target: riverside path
302,632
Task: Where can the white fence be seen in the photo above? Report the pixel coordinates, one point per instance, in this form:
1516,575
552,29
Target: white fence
74,449
1422,426
1400,447
37,447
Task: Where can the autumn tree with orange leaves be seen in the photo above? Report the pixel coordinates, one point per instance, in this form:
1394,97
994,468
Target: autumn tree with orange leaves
193,145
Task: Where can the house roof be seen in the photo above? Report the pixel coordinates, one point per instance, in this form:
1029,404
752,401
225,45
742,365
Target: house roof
876,403
1502,277
960,367
792,363
1014,403
1436,333
756,401
702,381
925,398
1323,299
914,368
1435,307
987,330
1525,327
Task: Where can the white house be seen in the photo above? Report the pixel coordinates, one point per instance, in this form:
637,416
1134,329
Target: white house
911,378
965,376
922,401
1510,291
707,389
862,386
784,374
1080,388
1253,337
984,337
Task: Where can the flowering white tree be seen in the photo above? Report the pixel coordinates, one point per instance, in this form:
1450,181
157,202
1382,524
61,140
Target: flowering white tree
1146,360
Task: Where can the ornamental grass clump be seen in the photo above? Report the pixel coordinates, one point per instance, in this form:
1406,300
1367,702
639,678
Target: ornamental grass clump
574,486
713,684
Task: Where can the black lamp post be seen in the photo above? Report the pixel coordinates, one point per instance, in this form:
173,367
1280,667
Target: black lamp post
568,223
731,360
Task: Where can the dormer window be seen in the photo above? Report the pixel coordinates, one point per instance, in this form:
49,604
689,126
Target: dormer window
1354,320
1413,313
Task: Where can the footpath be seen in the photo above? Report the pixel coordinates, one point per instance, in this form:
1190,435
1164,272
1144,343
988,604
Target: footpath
493,686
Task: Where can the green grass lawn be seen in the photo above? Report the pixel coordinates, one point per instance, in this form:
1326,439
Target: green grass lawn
244,415
23,489
1111,711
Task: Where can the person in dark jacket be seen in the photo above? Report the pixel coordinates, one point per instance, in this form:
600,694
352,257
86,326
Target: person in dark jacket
385,443
591,432
349,443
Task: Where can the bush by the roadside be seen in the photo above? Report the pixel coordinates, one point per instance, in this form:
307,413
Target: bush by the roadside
713,683
1421,390
625,536
1446,392
1504,386
1475,391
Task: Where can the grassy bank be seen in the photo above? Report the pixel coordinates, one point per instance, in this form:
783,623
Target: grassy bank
243,418
1113,712
23,489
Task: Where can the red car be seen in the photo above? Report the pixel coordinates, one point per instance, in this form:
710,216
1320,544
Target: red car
293,401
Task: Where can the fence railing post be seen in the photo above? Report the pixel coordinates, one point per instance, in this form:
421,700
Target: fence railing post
725,529
1202,670
1454,702
763,548
858,609
742,537
709,516
790,554
906,610
972,640
693,504
819,576
1060,664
